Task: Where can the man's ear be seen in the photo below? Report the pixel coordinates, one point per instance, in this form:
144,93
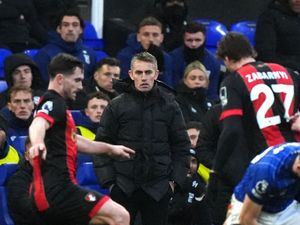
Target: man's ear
59,78
130,74
9,106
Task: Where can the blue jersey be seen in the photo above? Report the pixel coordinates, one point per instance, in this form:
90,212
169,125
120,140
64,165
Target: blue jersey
269,180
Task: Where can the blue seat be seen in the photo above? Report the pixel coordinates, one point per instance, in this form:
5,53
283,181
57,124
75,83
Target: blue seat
3,54
86,177
215,31
18,142
31,52
6,171
90,37
247,28
100,55
3,86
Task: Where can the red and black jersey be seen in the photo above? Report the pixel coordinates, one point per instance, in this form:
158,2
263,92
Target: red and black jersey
60,138
263,96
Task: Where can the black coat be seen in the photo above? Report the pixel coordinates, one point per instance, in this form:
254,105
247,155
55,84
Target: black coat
209,136
19,24
151,124
192,102
278,35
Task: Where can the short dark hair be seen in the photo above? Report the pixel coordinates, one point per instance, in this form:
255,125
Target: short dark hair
235,46
70,13
111,61
98,95
65,64
144,57
193,124
194,27
150,21
15,89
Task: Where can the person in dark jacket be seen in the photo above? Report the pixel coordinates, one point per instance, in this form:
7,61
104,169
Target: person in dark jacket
48,11
17,116
148,120
278,34
18,194
173,16
19,27
66,39
194,49
21,71
149,37
192,92
107,71
188,206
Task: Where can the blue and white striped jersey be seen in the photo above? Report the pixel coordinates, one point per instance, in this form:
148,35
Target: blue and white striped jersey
269,180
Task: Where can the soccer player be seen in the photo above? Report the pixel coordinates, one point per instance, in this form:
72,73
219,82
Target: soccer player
258,100
266,194
54,148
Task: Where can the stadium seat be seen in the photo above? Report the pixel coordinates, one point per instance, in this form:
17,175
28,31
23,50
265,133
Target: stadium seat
100,55
3,86
18,142
31,52
214,32
86,177
90,37
3,54
246,28
6,171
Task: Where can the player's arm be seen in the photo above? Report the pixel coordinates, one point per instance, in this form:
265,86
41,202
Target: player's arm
37,131
96,147
250,212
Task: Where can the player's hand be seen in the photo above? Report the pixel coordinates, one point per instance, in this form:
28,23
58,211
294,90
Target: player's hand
295,123
37,150
121,151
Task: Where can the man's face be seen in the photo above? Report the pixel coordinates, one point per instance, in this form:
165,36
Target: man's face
95,108
295,5
196,79
104,76
193,135
22,76
150,34
69,29
72,84
21,104
193,40
143,74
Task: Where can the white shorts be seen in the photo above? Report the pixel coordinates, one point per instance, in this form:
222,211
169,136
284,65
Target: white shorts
289,216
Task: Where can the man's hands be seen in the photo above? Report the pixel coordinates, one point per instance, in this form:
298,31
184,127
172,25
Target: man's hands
37,150
120,151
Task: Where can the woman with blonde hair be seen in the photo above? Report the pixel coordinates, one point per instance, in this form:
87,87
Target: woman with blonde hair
192,92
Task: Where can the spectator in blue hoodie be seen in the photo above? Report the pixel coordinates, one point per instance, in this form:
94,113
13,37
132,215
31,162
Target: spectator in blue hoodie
194,49
67,39
149,37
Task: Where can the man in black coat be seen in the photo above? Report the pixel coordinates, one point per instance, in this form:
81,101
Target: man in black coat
147,119
19,27
278,34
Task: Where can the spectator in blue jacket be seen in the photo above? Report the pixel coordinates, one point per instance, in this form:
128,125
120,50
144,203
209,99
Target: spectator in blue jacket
67,39
17,116
194,49
149,37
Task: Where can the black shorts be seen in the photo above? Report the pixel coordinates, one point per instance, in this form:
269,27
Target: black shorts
69,204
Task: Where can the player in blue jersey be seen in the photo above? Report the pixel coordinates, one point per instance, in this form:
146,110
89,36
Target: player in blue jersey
266,194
